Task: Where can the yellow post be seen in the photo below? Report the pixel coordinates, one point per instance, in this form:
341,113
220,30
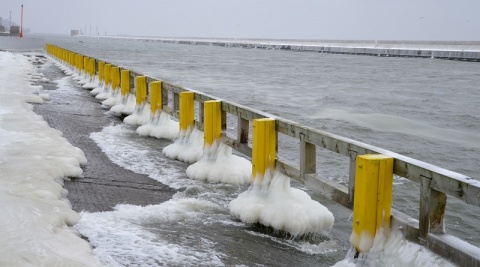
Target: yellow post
212,118
108,74
72,59
86,65
92,67
80,62
373,199
125,82
77,59
187,110
264,146
101,71
156,96
115,77
140,89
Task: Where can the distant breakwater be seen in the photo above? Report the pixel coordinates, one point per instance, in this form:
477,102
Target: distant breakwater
452,50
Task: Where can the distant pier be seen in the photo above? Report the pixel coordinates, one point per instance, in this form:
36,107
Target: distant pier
452,50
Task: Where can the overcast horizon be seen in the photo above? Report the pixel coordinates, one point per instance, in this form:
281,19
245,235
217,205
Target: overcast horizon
302,19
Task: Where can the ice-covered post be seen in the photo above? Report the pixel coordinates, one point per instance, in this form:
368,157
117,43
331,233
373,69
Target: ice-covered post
212,117
72,59
115,78
86,65
264,146
101,71
187,111
140,90
125,82
373,199
80,64
92,67
108,74
156,96
77,59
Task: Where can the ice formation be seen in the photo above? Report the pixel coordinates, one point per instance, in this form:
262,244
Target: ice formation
160,126
271,201
188,147
218,165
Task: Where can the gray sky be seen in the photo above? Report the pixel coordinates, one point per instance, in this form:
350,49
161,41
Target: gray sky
304,19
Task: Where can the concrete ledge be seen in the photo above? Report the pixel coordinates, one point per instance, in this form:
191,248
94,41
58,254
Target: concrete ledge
17,44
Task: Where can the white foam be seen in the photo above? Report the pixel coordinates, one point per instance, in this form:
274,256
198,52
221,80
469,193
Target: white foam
131,154
34,158
218,165
188,147
122,237
160,126
321,248
272,202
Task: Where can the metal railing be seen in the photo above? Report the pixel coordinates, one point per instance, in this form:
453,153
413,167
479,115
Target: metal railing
435,183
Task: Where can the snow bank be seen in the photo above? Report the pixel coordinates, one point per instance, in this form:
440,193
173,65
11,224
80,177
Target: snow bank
34,159
160,126
272,202
188,147
218,165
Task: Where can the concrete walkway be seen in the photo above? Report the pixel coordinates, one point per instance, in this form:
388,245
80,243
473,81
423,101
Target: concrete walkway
77,114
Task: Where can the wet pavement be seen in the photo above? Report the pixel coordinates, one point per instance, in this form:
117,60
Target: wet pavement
76,113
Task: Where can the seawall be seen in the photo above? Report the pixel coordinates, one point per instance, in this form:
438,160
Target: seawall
452,50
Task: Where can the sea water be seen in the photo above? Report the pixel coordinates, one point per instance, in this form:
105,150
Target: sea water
421,108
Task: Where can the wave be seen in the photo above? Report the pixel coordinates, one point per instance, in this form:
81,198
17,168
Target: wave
391,123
